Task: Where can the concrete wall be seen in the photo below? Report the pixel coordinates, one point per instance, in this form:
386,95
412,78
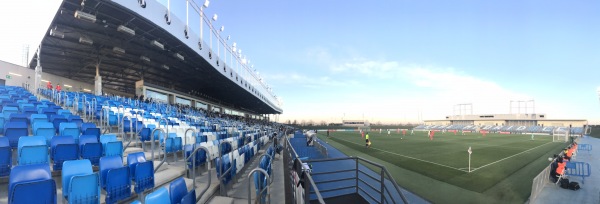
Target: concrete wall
28,77
564,123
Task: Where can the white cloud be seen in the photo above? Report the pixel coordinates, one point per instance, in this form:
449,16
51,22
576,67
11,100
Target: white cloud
309,81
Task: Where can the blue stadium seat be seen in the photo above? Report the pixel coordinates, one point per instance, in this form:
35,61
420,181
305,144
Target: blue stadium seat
90,129
57,120
15,130
70,129
115,179
63,112
90,148
63,148
8,110
5,157
145,134
18,117
159,196
177,190
144,176
189,198
85,126
28,180
45,129
134,158
260,180
2,123
32,150
223,167
111,145
75,119
80,183
38,118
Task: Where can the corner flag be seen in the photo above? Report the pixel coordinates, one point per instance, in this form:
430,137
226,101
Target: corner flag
469,151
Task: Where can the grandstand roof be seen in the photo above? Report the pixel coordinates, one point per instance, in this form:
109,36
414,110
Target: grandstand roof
69,58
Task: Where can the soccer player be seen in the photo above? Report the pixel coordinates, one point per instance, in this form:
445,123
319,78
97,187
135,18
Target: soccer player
388,132
412,131
362,134
532,136
431,133
404,132
367,142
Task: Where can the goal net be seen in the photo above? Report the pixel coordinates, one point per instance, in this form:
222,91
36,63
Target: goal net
560,134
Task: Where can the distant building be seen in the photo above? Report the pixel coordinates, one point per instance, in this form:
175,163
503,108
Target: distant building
507,120
355,123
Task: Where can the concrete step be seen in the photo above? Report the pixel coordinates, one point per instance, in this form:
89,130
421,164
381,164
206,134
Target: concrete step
221,200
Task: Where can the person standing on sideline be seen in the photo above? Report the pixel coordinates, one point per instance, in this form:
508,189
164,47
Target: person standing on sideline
49,85
58,88
367,142
327,133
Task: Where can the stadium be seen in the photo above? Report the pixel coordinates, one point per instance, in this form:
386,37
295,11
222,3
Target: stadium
149,101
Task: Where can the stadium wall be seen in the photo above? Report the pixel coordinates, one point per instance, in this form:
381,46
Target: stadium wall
28,77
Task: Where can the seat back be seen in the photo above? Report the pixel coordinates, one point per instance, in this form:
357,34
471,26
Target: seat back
28,180
5,157
92,131
90,149
113,148
108,163
144,176
133,159
45,129
84,188
177,190
70,129
74,168
15,130
32,150
63,148
189,198
118,184
104,139
159,196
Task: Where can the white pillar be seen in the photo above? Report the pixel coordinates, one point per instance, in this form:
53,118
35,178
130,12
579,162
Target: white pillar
98,81
38,71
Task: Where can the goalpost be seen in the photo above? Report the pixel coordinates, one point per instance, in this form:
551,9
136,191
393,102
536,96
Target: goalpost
560,134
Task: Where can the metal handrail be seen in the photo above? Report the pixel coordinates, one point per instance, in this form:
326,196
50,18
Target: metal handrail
221,185
250,182
104,118
193,156
152,147
131,135
166,135
384,172
312,183
94,104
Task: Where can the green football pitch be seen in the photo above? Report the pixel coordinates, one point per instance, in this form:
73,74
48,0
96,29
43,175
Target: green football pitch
502,166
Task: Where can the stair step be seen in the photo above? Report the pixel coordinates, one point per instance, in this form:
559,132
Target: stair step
221,200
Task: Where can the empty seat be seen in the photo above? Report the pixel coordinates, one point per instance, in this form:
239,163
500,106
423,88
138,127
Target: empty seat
134,158
64,112
63,148
5,157
38,118
223,164
90,148
80,183
17,117
115,179
70,129
90,129
159,196
189,198
177,190
7,110
15,130
32,150
144,176
57,120
111,145
45,129
31,184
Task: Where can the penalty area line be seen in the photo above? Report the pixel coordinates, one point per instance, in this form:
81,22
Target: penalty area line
475,169
458,169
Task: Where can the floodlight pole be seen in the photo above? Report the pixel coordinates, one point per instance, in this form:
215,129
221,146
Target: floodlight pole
38,71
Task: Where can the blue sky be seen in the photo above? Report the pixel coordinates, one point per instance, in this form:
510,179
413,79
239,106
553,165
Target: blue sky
390,60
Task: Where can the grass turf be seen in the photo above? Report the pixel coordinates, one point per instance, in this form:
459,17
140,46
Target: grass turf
502,166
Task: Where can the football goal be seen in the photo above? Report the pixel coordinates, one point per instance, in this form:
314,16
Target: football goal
560,134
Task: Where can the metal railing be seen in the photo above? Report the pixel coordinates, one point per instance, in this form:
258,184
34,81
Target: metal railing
222,190
208,169
290,157
375,183
152,147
